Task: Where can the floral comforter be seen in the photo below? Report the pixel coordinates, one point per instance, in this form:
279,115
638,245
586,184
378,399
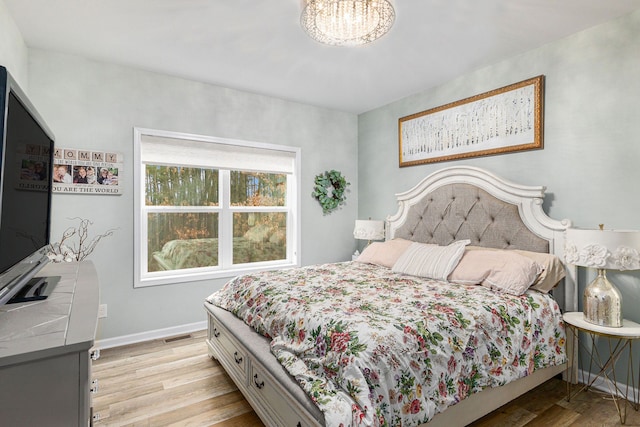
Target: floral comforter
376,348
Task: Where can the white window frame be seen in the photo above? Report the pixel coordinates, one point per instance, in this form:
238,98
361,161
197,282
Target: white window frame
225,268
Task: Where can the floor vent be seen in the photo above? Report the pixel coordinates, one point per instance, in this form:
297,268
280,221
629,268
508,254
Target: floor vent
178,338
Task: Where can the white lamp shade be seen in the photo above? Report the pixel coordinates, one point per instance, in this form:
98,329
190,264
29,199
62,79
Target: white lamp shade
369,230
605,249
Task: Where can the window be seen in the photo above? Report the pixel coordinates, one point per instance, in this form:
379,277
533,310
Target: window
211,207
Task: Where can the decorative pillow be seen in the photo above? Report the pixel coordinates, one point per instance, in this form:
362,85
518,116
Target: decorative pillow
504,270
553,272
384,253
549,278
431,261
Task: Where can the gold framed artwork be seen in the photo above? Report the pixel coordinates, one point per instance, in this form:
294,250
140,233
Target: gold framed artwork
500,121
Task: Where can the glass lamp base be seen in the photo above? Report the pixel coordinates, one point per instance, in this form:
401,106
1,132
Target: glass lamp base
602,302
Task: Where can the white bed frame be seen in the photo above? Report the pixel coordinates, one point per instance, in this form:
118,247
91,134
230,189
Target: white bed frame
528,199
277,405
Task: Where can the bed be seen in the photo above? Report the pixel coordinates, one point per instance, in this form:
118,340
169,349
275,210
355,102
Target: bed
289,366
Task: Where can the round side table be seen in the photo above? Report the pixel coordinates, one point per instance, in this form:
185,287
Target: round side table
619,340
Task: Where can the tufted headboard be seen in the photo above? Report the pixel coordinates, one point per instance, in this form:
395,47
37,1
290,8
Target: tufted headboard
465,202
463,211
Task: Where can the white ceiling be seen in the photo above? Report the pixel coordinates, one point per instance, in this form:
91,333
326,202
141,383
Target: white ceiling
258,45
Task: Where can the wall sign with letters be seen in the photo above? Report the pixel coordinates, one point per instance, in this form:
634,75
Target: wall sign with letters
34,167
87,172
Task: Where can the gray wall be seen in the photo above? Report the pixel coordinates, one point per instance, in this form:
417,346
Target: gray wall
93,105
590,161
13,51
592,135
591,127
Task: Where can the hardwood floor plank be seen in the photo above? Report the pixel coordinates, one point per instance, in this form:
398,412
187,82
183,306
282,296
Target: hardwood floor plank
185,376
174,383
216,415
147,348
507,417
157,357
165,400
111,391
245,420
205,413
556,416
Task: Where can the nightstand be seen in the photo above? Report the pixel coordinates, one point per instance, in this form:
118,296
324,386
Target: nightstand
619,341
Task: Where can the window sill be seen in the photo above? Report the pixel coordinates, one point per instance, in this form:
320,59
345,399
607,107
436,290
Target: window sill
194,275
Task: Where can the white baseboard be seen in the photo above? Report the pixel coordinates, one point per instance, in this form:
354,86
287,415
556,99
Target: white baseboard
150,335
606,386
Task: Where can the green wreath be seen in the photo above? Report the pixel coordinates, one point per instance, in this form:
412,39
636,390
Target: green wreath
329,190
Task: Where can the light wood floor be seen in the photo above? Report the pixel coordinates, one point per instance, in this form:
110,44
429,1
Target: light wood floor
173,382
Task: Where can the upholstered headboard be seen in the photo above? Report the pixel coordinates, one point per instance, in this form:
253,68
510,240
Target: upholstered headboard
470,203
463,211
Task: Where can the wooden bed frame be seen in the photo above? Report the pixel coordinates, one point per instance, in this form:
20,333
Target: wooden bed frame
276,396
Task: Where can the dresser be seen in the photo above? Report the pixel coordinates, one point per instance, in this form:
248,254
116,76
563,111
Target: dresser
45,365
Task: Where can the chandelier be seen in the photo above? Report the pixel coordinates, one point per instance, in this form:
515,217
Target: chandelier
347,22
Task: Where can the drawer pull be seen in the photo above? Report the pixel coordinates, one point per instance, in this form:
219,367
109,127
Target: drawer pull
216,333
298,425
258,384
237,359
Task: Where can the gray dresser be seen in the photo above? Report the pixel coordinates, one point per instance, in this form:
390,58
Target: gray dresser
45,365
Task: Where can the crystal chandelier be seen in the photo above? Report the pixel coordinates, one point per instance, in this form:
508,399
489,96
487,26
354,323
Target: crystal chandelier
347,22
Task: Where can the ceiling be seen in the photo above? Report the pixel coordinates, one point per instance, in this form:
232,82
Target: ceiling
258,45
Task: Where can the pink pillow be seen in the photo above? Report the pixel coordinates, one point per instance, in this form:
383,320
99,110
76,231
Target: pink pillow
503,271
384,253
553,270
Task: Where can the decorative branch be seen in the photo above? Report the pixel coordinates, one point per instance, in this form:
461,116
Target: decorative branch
68,251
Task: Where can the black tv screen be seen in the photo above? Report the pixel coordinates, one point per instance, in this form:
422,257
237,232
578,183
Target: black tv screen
26,153
24,226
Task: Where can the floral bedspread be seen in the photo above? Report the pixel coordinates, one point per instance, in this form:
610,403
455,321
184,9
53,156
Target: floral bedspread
376,348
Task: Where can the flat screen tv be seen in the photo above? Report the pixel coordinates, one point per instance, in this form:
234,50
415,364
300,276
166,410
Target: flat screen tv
26,155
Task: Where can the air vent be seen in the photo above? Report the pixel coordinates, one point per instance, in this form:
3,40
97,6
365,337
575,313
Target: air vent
177,338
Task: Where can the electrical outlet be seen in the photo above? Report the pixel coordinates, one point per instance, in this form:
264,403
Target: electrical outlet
102,311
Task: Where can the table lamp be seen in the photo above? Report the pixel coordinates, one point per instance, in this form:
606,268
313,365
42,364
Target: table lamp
604,250
369,230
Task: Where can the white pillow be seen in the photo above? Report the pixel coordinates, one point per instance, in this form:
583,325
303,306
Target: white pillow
431,261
